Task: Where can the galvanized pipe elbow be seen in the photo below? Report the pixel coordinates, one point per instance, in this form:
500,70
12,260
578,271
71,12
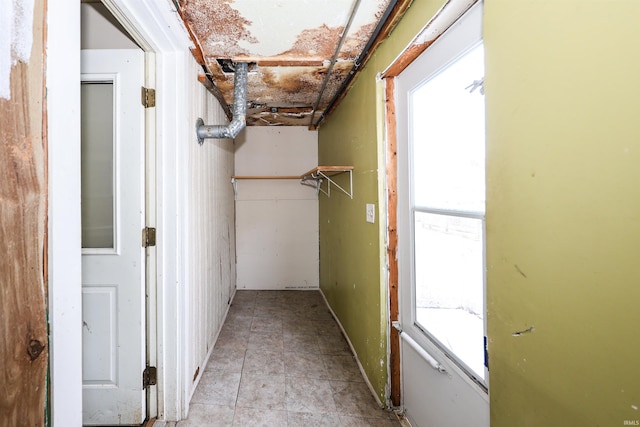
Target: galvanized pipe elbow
239,120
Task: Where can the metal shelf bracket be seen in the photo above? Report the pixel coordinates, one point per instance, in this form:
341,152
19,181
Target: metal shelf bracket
316,177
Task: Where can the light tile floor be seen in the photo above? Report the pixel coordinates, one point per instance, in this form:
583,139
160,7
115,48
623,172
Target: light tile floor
281,360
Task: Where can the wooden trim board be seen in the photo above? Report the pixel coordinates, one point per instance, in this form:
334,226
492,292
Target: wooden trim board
392,239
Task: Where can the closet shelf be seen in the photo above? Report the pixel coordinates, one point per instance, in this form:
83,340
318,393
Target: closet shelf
317,175
265,177
314,178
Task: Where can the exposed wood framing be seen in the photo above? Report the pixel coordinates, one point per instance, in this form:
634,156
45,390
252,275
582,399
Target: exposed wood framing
23,206
206,80
280,62
428,35
406,58
392,237
197,49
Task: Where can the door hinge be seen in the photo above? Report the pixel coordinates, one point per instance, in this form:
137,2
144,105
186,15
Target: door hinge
148,237
149,376
148,97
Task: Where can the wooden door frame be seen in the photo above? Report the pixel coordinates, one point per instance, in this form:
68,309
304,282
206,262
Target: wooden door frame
153,24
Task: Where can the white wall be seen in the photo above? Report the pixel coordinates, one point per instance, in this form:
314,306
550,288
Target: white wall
63,128
276,220
210,257
100,30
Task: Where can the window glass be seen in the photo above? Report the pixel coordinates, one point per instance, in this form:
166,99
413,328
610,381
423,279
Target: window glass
449,284
97,165
448,170
448,137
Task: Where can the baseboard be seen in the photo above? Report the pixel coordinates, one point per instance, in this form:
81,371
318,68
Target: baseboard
202,368
353,351
404,422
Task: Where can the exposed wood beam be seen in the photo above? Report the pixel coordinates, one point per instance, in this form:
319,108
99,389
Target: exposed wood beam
281,110
406,58
281,61
24,350
445,17
206,80
392,237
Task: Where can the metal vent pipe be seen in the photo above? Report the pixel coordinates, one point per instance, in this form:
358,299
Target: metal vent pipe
239,120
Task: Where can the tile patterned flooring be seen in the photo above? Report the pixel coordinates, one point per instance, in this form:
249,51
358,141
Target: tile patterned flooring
281,360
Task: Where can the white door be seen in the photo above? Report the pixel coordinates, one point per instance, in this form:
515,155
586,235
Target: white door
113,314
441,192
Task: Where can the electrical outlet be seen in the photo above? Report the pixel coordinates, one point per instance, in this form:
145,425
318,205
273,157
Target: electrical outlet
371,213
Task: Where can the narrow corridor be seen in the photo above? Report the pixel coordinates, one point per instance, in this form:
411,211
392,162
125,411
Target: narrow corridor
281,360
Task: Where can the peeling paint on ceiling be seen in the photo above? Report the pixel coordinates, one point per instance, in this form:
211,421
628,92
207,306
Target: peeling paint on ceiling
292,44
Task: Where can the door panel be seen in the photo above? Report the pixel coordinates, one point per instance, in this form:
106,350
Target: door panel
440,399
100,339
441,232
113,219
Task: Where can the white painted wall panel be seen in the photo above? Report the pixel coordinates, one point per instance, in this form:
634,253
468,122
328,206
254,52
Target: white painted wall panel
266,189
264,150
449,402
277,244
276,220
100,30
210,245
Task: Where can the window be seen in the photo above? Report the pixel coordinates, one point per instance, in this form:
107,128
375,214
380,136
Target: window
447,197
98,165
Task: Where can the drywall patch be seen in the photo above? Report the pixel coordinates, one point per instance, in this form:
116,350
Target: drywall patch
16,37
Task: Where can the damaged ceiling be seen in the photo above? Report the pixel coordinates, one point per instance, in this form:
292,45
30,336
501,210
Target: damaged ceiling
302,53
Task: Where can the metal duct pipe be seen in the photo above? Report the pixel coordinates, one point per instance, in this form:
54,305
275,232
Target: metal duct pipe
239,120
343,37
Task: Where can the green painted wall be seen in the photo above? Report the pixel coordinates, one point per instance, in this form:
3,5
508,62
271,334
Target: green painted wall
563,211
352,250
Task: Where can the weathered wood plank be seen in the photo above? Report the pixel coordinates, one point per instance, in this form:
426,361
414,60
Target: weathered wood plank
392,237
23,190
406,58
